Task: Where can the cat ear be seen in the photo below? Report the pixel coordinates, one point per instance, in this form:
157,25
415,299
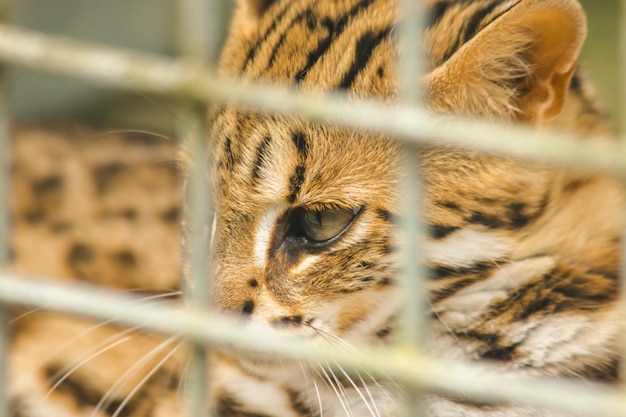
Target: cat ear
518,66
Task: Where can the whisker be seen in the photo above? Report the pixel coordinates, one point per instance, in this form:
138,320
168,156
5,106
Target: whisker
159,105
358,391
369,394
25,314
319,398
103,344
105,399
143,301
81,363
340,386
443,323
306,382
139,131
183,376
334,338
330,385
336,387
145,379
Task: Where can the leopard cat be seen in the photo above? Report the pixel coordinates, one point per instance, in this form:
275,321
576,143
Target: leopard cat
523,257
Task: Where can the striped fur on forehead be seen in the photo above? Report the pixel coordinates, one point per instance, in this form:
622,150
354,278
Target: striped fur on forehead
343,38
318,45
299,163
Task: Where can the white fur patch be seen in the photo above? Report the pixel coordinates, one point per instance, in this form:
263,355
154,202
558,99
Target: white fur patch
466,247
306,262
263,235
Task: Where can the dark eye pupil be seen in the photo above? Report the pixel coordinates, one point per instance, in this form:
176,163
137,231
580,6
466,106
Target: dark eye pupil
324,224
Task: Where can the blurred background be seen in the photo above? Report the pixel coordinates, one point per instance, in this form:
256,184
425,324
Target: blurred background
150,25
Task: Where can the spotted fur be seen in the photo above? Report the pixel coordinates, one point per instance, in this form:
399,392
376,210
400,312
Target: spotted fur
102,209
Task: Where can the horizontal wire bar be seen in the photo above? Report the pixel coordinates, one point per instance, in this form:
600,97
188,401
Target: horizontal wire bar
404,364
131,70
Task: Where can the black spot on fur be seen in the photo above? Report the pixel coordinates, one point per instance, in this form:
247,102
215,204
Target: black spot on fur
125,258
452,288
384,215
105,174
500,353
229,157
61,226
248,307
260,156
227,406
48,184
34,216
485,220
386,282
489,339
573,186
171,215
295,183
450,205
301,143
438,231
129,214
387,249
299,405
297,319
80,253
443,271
516,214
382,333
253,283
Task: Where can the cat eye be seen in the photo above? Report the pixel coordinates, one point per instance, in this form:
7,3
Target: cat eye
322,225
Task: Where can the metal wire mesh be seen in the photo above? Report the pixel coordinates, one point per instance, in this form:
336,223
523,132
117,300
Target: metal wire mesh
192,76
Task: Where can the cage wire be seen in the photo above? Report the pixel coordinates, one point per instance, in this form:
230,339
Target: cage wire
193,76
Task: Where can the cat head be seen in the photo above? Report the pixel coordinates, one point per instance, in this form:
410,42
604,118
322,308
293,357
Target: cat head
305,211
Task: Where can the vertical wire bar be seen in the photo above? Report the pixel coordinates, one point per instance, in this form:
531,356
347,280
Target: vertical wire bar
621,62
200,31
410,68
622,134
5,163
